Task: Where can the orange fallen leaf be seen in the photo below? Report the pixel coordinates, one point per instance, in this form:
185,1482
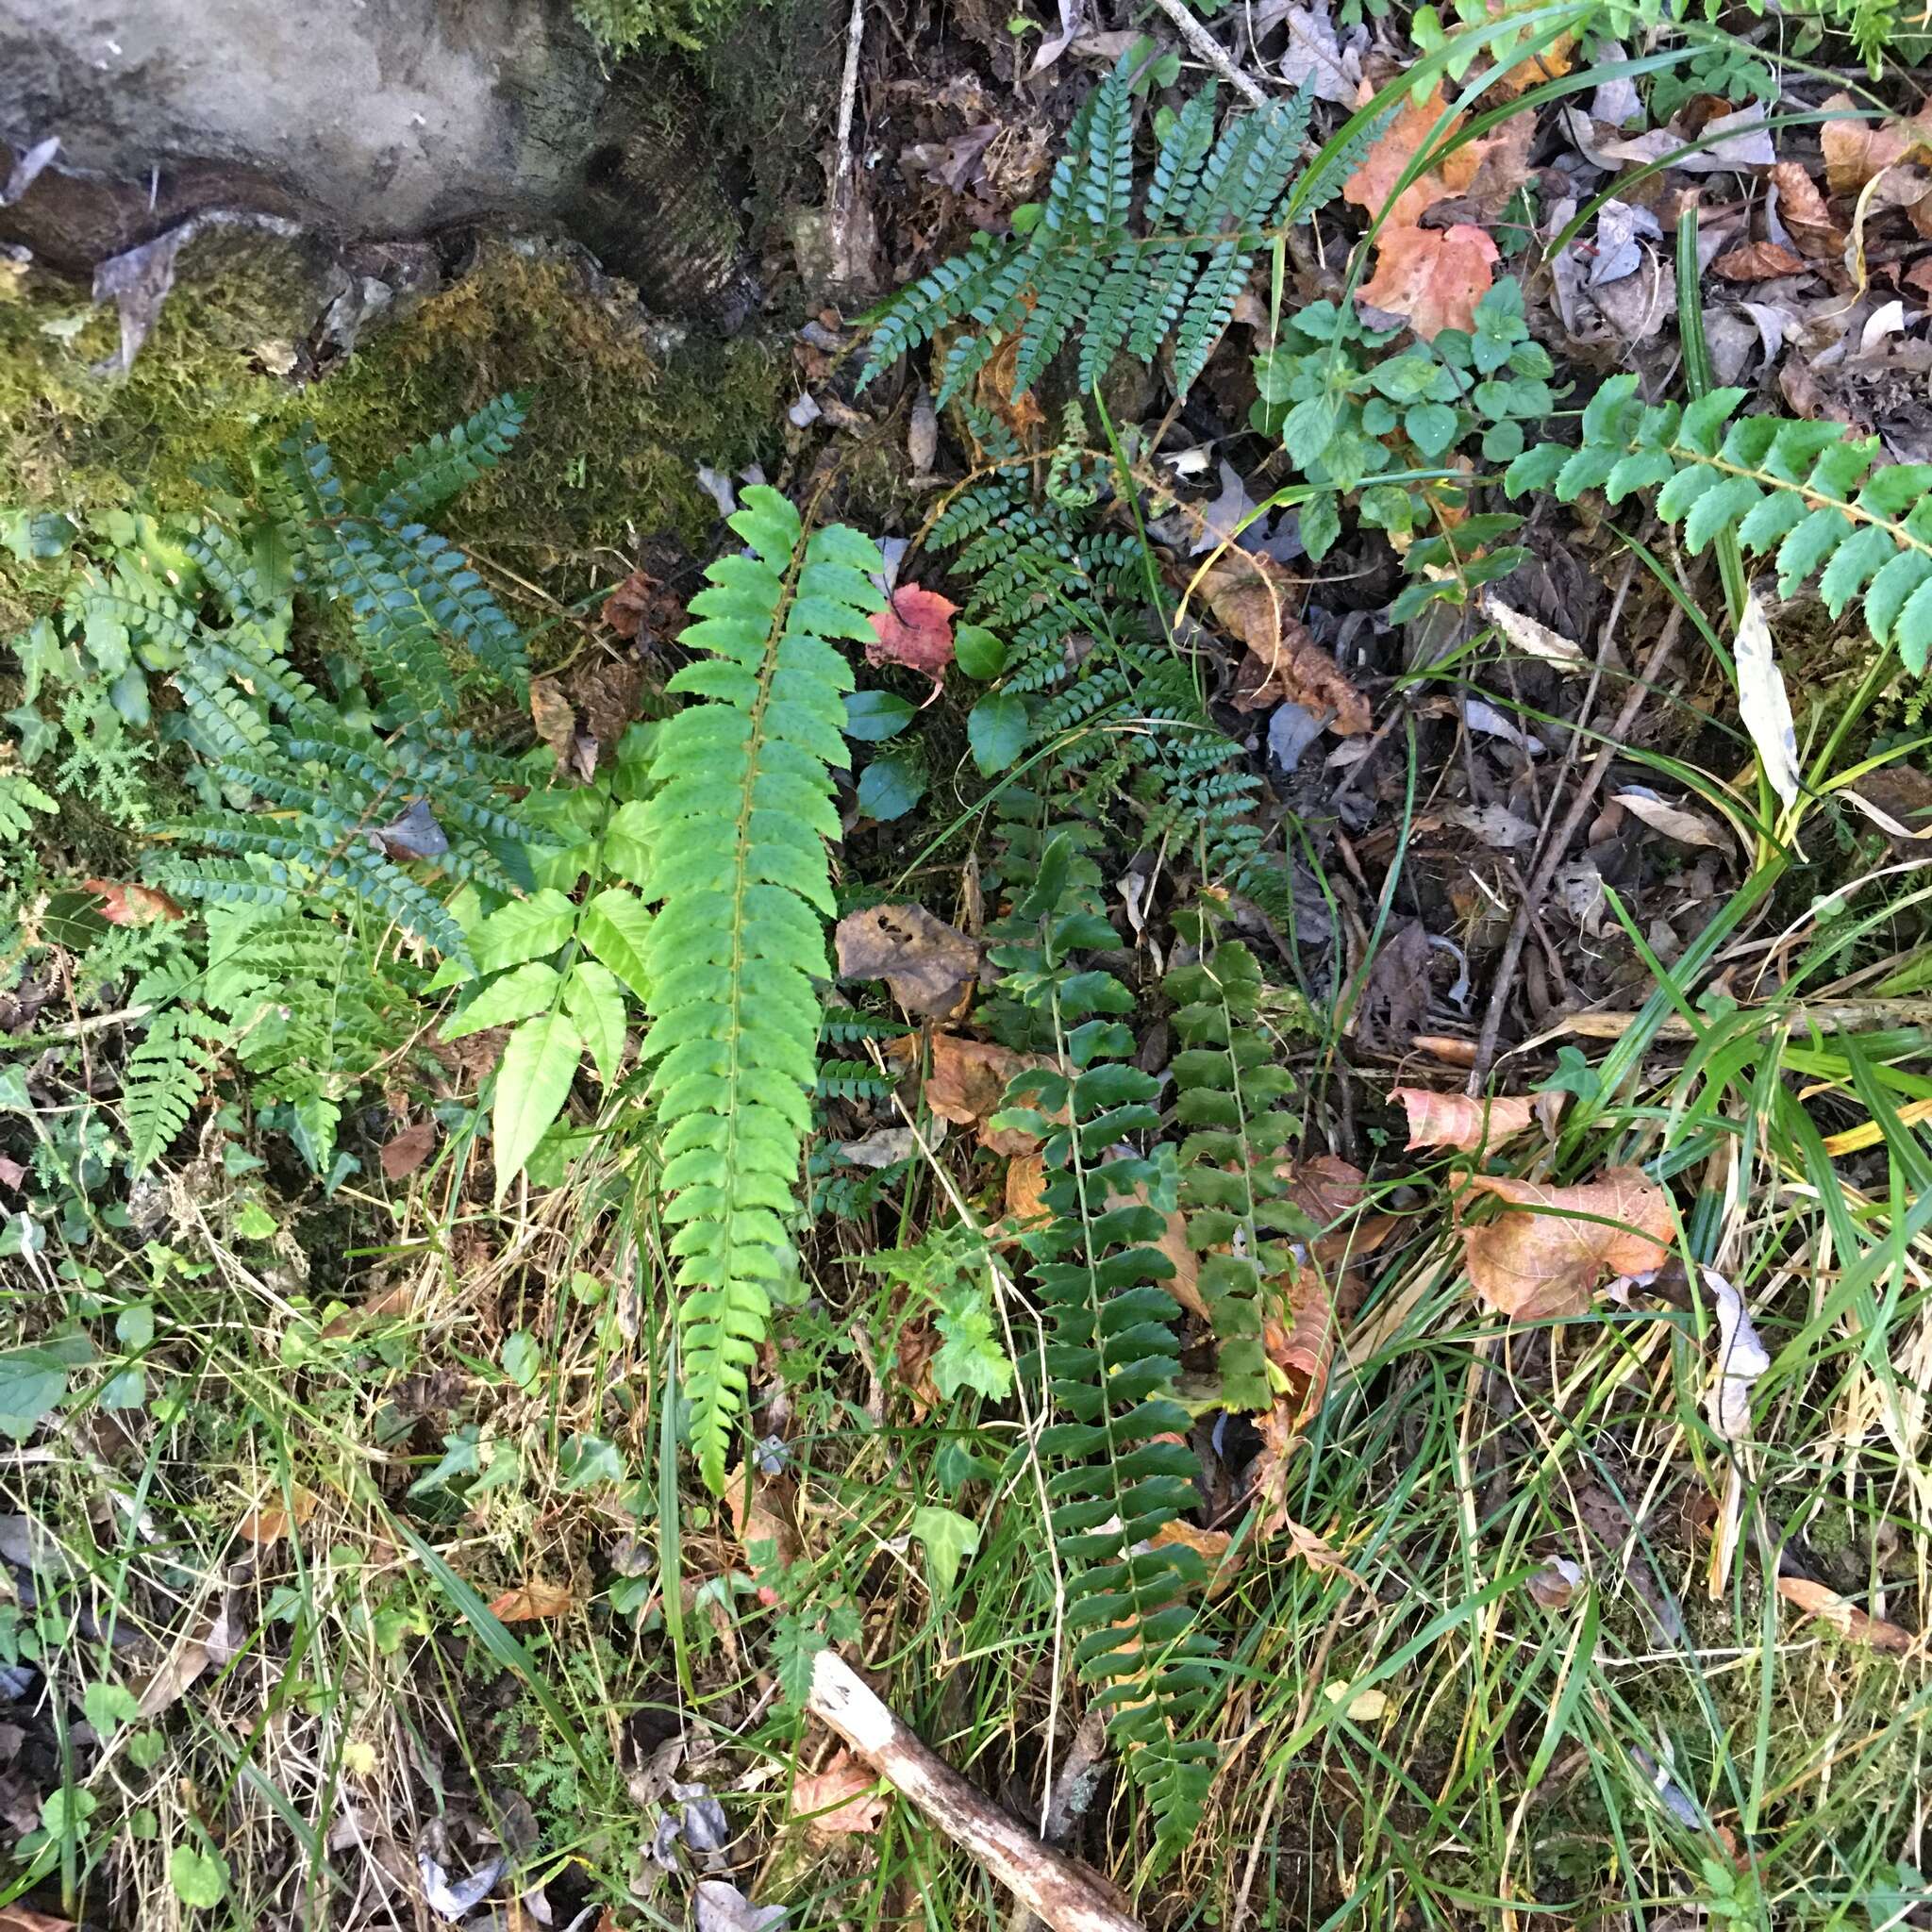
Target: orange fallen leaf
1372,186
1550,63
1454,1120
915,630
1211,1545
404,1151
1552,1248
841,1800
1446,1046
133,905
1801,209
1252,597
1815,1600
529,1602
1856,151
1026,1186
761,1508
1433,276
967,1082
554,716
268,1522
1757,261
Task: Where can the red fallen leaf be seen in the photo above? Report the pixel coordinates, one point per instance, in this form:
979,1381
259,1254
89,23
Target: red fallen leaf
404,1153
1435,276
916,630
1757,261
133,905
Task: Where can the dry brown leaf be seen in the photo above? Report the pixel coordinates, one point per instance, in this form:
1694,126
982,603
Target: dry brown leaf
268,1522
403,1152
178,1674
18,1919
1433,276
1555,1583
1211,1545
133,905
762,1511
1026,1186
554,716
1757,261
1454,1120
1856,151
968,1080
391,1303
930,967
916,630
1552,1248
1815,1600
1552,63
529,1602
840,1801
1372,186
1446,1047
1673,821
1801,209
1252,597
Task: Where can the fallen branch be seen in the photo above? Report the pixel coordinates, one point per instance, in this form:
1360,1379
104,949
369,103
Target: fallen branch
1206,47
1800,1016
1057,1889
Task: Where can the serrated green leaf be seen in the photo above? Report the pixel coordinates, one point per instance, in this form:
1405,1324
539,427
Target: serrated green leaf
593,997
522,930
530,988
533,1080
617,929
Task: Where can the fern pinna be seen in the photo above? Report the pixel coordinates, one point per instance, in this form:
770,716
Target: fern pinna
1124,1471
736,836
1821,500
1085,270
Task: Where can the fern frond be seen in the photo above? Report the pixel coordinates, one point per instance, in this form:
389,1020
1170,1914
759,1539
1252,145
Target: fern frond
20,795
737,833
425,478
459,602
1085,274
1123,1471
161,1084
1820,503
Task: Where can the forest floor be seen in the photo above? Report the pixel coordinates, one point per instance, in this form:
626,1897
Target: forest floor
1565,1536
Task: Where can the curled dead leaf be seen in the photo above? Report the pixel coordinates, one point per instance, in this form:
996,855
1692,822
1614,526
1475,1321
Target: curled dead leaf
1757,261
1552,1248
840,1801
762,1511
1025,1186
930,967
130,904
1211,1545
966,1082
1815,1600
403,1152
1856,151
1253,597
268,1522
554,716
1456,1120
1806,217
530,1601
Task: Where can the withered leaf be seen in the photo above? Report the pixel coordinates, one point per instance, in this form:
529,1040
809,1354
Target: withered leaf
1026,1187
530,1601
1552,1248
404,1151
554,716
1456,1120
915,630
269,1522
1856,151
1815,1600
1757,261
930,967
1801,209
840,1801
1433,276
130,904
1253,597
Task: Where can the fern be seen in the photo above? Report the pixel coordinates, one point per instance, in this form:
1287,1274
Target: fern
1821,502
1088,271
1232,1190
162,1080
425,478
736,836
1124,1471
20,795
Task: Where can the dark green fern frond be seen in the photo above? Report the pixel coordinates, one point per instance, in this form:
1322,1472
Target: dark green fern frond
1088,272
1817,501
737,833
1122,1471
425,478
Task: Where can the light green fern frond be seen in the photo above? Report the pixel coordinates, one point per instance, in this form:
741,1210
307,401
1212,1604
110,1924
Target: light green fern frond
1817,501
161,1082
20,795
738,869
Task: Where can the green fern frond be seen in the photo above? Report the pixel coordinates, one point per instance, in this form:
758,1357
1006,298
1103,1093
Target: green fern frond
1086,272
738,868
1122,1471
161,1084
425,478
1820,503
20,795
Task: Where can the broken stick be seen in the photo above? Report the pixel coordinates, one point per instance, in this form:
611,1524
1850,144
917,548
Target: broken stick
1054,1887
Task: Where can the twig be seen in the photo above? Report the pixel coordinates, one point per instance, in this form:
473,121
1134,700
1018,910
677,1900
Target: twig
1801,1016
1057,1888
1206,47
1555,849
848,94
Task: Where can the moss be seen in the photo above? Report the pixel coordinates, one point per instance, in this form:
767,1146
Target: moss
615,432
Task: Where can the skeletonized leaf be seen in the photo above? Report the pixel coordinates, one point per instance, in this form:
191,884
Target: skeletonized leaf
1763,703
1552,1248
1456,1120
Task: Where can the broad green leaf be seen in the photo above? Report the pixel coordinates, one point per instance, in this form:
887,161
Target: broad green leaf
593,999
530,988
523,930
583,1461
532,1084
978,652
33,1380
891,786
948,1537
625,852
522,1359
200,1878
872,716
997,728
107,1707
1308,431
615,926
